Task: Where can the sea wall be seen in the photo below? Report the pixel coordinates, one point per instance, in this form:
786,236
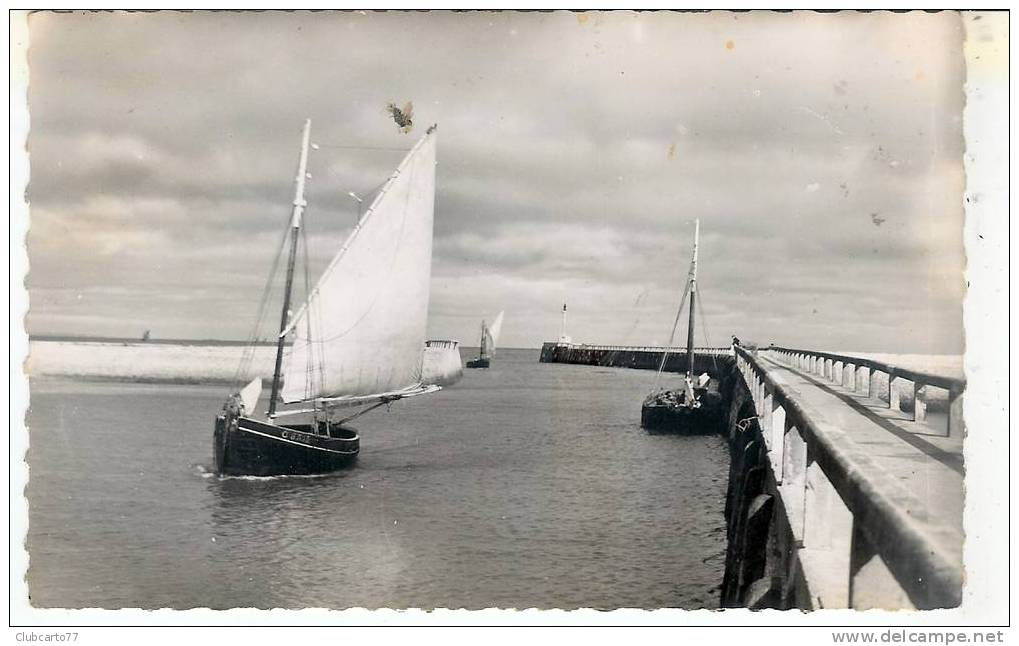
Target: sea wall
186,362
146,361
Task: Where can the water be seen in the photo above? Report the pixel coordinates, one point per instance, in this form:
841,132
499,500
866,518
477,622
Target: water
526,485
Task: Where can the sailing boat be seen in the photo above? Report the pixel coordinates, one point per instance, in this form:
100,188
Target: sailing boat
489,335
697,407
355,342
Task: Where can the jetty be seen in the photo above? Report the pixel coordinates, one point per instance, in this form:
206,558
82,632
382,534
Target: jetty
846,476
639,357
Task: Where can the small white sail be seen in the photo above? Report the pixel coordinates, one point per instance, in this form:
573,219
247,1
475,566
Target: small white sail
250,394
362,328
493,334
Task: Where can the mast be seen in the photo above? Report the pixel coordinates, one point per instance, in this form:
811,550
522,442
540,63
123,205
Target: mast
295,226
693,300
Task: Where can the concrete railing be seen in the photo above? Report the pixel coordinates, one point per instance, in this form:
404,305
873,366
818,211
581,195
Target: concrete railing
861,375
851,524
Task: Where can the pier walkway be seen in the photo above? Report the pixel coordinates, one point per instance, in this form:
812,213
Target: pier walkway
897,516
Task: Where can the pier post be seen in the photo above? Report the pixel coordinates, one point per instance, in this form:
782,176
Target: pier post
872,585
863,376
919,402
893,393
850,378
955,420
794,481
838,372
828,526
777,430
759,394
873,382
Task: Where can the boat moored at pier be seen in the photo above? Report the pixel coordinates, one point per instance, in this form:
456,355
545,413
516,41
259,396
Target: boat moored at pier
696,408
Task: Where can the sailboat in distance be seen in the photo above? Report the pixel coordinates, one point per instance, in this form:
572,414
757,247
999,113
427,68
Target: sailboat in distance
697,406
489,337
356,342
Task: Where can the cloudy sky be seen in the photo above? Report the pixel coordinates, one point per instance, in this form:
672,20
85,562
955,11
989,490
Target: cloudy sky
822,153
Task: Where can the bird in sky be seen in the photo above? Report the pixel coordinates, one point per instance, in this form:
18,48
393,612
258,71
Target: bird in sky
404,117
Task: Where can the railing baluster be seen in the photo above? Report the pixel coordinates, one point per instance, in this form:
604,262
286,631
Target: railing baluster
778,425
767,400
865,379
919,401
955,419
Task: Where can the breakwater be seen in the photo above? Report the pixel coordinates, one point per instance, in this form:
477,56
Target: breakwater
717,362
190,362
825,506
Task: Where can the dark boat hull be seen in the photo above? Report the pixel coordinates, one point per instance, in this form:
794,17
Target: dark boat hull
706,419
245,446
478,363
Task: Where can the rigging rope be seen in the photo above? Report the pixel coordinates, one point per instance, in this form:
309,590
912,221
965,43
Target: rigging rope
672,336
248,354
309,367
704,326
675,324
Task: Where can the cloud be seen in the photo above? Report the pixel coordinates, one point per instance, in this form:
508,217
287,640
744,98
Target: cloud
573,159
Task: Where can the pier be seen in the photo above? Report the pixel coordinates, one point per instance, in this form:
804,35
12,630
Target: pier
846,477
715,361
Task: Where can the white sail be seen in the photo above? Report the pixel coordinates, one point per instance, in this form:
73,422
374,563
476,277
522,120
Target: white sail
250,394
493,331
363,326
